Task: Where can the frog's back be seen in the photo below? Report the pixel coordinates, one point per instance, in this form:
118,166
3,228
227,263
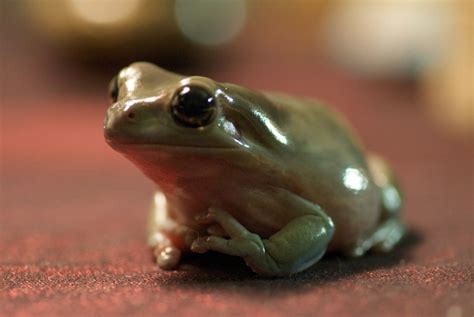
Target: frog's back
329,167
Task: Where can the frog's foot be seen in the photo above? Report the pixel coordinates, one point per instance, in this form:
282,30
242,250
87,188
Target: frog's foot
298,245
167,257
167,238
382,240
241,243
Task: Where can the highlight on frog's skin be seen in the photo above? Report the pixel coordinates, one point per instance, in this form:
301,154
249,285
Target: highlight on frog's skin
354,179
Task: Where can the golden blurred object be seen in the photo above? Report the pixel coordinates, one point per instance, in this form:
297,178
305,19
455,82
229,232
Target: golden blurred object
449,87
287,25
126,30
387,38
108,11
108,30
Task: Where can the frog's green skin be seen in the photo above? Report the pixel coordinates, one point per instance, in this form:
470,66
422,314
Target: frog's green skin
273,179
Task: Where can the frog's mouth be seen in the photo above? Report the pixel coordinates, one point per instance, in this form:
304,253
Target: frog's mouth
129,146
159,160
123,140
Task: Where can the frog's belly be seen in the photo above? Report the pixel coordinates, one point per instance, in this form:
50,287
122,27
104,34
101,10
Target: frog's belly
265,210
354,220
255,209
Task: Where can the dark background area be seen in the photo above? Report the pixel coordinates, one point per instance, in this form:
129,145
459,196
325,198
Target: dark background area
73,212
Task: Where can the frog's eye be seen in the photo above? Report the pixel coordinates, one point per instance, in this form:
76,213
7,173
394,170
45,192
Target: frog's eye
113,89
193,106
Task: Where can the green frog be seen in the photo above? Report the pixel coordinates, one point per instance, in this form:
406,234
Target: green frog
270,178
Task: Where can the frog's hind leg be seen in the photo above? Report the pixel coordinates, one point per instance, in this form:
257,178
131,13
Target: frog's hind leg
298,245
165,236
390,230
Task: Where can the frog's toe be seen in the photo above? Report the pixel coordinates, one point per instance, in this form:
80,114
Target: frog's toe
229,224
382,240
242,247
394,233
221,223
217,230
200,245
218,244
167,257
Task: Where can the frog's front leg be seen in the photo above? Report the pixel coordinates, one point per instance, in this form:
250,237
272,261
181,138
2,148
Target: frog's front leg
167,238
298,245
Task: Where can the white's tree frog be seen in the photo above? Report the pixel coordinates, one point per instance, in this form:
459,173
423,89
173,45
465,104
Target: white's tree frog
270,178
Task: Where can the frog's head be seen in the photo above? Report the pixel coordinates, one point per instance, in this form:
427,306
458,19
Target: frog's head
154,107
155,112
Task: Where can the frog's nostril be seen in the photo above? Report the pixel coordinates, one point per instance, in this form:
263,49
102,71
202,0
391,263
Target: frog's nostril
131,115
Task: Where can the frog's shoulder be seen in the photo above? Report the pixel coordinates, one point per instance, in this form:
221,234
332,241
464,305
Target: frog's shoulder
317,128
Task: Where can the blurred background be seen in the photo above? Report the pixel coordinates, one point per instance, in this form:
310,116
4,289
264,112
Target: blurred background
73,212
61,49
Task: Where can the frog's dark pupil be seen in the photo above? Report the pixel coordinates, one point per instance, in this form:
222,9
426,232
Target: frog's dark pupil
114,89
193,106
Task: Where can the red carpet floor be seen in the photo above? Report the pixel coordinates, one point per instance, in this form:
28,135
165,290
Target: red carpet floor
72,227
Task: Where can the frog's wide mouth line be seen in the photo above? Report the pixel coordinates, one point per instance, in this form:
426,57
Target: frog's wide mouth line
149,146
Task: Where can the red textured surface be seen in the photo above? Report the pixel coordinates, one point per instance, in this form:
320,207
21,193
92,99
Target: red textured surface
73,216
72,212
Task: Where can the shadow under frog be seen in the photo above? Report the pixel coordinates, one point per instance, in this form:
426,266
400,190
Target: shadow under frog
219,272
269,178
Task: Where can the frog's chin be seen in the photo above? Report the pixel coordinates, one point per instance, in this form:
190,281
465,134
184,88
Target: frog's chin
164,163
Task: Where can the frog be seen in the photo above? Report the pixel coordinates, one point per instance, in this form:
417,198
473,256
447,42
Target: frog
274,179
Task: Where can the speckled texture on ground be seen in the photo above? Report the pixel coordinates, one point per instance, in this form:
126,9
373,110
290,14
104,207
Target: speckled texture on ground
73,215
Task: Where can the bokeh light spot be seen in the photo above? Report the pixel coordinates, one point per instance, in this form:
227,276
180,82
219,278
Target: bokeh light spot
210,22
104,11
